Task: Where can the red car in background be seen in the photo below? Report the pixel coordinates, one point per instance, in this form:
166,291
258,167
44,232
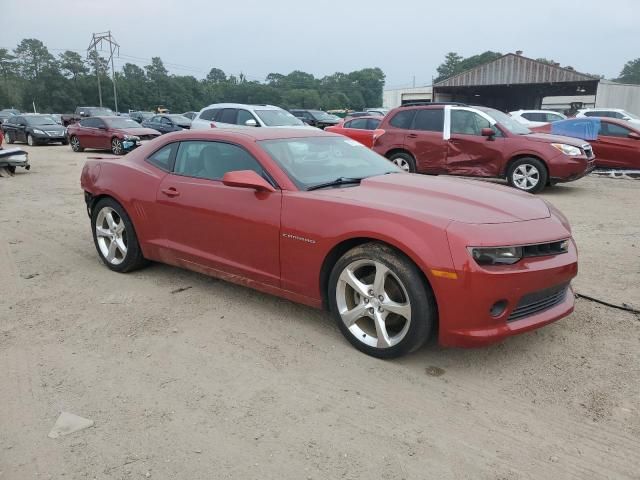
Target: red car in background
322,220
456,139
616,143
361,129
118,134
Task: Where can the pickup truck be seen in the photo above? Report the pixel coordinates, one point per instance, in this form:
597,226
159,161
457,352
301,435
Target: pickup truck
83,112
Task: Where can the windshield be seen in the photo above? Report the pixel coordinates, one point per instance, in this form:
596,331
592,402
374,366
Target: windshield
122,123
180,119
41,121
100,112
506,121
312,161
320,115
278,118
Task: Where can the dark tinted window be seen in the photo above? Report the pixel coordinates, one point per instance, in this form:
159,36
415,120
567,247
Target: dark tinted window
211,160
209,115
403,119
166,121
535,116
91,122
243,116
373,123
155,119
359,123
552,117
163,157
613,130
429,119
228,115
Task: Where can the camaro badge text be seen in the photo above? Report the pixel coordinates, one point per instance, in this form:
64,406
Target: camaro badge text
295,237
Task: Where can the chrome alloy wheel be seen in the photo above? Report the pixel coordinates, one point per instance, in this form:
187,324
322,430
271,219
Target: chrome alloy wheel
116,146
402,163
111,235
526,176
373,303
75,144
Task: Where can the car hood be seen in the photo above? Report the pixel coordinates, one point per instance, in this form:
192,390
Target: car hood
50,128
459,200
137,131
549,138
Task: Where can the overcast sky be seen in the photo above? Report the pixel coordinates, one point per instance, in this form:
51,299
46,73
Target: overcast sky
402,37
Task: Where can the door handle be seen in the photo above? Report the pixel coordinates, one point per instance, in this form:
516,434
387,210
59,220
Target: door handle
412,135
170,192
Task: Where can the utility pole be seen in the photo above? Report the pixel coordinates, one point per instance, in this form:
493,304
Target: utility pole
97,39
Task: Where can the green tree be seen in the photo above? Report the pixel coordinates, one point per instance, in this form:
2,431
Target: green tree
449,67
32,58
455,64
216,75
72,64
631,72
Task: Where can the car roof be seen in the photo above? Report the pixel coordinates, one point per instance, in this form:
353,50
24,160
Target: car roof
602,109
255,134
365,117
536,111
242,105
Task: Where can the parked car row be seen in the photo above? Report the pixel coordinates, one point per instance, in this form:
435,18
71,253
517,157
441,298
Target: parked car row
33,129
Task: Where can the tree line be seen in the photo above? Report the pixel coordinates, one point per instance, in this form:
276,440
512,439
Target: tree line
31,74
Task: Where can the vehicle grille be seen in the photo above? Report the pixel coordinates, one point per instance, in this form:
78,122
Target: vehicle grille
544,249
53,133
539,302
588,151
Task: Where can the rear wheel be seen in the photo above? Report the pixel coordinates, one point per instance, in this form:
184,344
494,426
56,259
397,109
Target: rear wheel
65,141
380,301
116,146
528,174
404,160
114,237
8,138
75,144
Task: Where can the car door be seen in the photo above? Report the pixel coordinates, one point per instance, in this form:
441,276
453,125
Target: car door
101,135
167,125
86,132
614,148
357,130
468,152
20,125
425,140
209,225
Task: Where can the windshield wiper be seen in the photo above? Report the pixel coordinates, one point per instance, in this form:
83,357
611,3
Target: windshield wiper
337,181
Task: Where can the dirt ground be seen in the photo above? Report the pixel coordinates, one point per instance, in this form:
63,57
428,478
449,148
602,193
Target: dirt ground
221,382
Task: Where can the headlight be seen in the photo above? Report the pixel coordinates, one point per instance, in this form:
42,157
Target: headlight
567,149
131,138
496,255
40,132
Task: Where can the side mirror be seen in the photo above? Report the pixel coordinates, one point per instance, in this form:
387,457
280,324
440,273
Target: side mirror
634,135
488,132
247,179
251,123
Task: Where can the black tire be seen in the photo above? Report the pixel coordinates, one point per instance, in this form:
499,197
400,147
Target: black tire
65,142
8,137
12,169
75,144
32,142
116,146
133,259
419,295
404,160
536,168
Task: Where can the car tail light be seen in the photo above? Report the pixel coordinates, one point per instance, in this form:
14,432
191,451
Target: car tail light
212,125
377,134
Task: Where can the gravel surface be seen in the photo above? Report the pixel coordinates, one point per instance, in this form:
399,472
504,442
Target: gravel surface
219,381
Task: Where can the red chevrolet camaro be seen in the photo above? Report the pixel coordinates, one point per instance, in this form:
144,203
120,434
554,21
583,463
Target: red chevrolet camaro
320,219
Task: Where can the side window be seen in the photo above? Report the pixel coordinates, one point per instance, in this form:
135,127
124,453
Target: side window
429,119
552,117
155,119
211,160
373,123
592,114
209,115
403,119
228,115
166,121
244,115
465,122
163,157
89,122
613,130
359,123
618,115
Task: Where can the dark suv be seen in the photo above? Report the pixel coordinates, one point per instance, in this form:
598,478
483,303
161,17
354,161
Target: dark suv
456,139
316,118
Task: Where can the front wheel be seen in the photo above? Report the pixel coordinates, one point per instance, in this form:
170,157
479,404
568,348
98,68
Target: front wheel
114,237
8,138
404,160
528,174
380,301
116,146
75,144
65,141
30,140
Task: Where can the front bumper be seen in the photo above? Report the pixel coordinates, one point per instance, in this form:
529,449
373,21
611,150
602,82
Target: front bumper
573,170
465,304
14,157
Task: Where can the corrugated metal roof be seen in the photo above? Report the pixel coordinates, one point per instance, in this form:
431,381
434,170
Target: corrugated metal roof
514,69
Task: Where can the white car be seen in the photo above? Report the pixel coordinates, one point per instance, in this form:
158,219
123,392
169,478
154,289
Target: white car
234,115
536,118
609,113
